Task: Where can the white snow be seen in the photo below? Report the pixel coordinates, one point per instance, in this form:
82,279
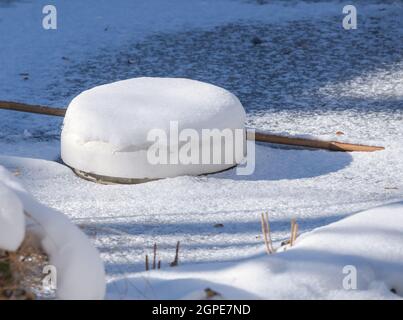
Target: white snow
359,257
12,220
309,77
123,112
106,129
80,271
316,187
315,267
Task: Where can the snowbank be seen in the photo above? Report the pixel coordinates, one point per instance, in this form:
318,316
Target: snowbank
80,271
360,257
12,220
106,129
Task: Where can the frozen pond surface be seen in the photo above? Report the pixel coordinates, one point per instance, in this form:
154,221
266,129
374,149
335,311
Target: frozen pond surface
304,75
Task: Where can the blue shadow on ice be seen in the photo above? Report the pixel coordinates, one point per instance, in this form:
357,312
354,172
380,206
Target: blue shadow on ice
278,163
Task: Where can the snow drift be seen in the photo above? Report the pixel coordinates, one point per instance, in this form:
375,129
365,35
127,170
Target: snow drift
360,257
12,220
80,271
106,128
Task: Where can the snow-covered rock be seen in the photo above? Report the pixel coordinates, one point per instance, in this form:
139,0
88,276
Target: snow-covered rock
12,220
80,271
106,129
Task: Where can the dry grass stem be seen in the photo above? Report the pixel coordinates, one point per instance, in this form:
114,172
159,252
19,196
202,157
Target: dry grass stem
155,256
266,233
294,232
176,260
147,263
21,271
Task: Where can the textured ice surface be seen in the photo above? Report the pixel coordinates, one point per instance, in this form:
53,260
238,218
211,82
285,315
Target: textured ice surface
307,76
296,80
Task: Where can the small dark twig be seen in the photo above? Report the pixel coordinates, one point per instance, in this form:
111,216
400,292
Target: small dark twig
176,260
211,294
155,256
147,264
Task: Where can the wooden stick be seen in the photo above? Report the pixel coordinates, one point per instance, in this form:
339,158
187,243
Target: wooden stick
259,136
316,144
22,107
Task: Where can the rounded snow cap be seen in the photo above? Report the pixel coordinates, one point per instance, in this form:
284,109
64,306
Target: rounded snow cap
150,128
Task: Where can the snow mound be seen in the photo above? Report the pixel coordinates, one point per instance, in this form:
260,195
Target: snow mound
360,257
80,271
106,128
12,220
